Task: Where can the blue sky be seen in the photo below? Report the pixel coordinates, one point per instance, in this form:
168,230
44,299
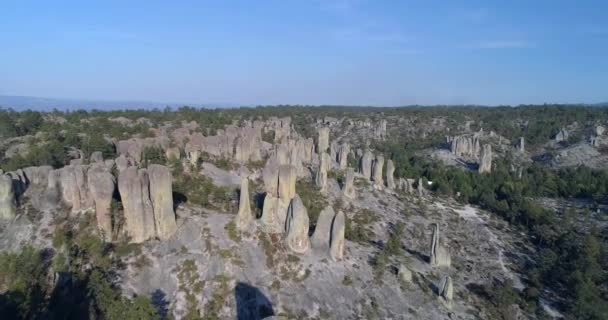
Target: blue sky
355,52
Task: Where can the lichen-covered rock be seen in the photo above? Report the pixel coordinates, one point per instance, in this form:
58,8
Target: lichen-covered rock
323,142
377,172
366,165
486,159
271,223
102,184
8,204
349,184
390,171
161,194
336,250
297,226
439,255
322,235
446,291
243,218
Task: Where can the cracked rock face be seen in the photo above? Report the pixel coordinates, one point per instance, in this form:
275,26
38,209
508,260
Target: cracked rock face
366,165
139,220
102,185
321,176
323,142
486,159
297,226
439,255
321,237
377,172
336,250
244,217
349,184
446,291
390,171
7,198
161,195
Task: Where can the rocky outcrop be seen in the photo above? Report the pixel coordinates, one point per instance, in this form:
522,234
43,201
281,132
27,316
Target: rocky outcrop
122,163
321,176
439,255
465,146
521,146
133,185
404,273
366,165
297,226
320,239
485,164
8,202
101,184
446,291
280,187
323,142
349,184
96,157
421,189
377,172
336,250
561,135
390,171
243,217
74,188
343,152
380,129
161,194
37,176
406,185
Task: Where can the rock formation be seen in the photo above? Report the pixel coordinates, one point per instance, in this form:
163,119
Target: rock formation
8,204
486,159
377,172
139,216
122,163
297,226
343,152
521,146
323,142
380,130
74,188
404,273
446,291
465,146
561,135
439,255
280,187
321,176
161,194
244,217
421,190
336,250
349,184
390,171
101,184
366,165
321,237
96,157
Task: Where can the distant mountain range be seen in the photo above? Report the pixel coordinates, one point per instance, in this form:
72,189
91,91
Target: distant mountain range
47,104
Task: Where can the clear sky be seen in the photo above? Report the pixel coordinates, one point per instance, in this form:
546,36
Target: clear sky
353,52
